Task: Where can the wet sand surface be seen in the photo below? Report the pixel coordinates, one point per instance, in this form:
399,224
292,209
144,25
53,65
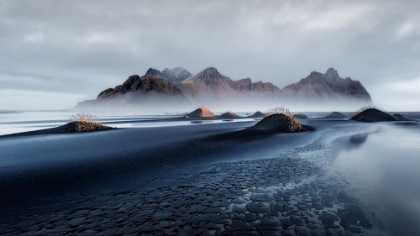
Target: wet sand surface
202,180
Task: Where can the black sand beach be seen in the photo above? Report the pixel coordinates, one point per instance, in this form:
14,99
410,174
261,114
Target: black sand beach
204,179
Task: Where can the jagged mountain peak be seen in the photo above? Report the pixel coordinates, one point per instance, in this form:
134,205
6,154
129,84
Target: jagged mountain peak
178,68
152,72
331,75
176,74
329,85
331,70
210,72
211,77
211,86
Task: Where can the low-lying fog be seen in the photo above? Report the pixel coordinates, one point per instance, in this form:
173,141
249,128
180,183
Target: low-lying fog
147,107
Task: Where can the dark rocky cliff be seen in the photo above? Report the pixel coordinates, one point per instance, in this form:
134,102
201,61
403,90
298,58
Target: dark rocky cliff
210,86
212,77
153,80
328,85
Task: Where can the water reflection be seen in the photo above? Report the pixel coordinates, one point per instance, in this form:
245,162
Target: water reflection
201,121
358,139
406,123
383,171
352,142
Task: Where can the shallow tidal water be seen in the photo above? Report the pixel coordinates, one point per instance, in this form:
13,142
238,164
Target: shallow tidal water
382,169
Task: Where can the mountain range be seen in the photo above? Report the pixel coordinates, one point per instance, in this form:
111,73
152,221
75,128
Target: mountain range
177,87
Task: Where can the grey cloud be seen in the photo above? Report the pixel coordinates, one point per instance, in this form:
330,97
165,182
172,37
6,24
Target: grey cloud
82,47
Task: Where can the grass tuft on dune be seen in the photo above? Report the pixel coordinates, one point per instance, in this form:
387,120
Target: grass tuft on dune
281,120
83,123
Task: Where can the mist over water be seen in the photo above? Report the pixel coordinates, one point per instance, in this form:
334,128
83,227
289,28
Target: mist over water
24,121
382,169
223,105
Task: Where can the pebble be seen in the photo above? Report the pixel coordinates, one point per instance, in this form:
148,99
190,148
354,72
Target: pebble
240,198
297,220
257,207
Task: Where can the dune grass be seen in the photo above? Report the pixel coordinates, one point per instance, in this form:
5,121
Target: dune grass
86,123
85,117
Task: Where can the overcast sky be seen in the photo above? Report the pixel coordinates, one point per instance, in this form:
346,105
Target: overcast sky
54,54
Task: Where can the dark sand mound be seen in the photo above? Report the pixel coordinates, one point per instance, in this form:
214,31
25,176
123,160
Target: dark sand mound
201,112
372,115
300,116
335,115
257,114
71,127
280,123
228,114
82,126
400,117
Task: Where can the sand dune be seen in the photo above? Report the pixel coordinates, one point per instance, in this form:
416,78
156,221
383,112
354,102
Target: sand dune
200,112
335,115
372,115
280,123
228,114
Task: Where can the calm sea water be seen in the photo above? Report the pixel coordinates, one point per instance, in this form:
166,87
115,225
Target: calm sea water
23,121
15,122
